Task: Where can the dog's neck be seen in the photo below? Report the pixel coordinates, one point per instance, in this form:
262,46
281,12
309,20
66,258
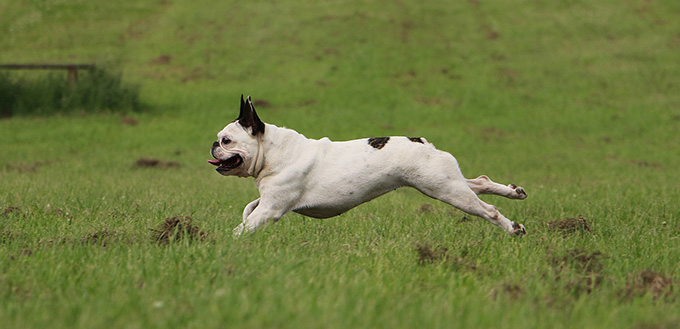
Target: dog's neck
258,164
279,143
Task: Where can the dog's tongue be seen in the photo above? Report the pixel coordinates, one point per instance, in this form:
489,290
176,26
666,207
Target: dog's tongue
214,162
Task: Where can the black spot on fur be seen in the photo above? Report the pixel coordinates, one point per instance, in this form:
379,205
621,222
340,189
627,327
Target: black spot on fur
378,142
416,140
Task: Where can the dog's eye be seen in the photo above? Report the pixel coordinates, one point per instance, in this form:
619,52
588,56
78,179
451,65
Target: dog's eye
225,140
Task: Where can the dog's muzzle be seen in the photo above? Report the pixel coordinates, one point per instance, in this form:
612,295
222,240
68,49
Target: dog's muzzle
224,165
228,164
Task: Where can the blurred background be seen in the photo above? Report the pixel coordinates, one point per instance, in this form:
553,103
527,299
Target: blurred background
462,73
576,101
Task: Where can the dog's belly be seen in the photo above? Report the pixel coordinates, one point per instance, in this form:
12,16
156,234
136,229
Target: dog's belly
323,205
320,212
330,203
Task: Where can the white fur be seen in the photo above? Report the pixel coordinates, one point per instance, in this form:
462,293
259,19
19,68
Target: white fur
321,178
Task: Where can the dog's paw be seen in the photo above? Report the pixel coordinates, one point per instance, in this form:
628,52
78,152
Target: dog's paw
518,229
238,230
518,192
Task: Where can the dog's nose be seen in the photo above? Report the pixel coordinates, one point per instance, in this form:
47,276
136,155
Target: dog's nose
212,150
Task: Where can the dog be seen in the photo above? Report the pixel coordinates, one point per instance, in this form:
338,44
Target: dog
322,179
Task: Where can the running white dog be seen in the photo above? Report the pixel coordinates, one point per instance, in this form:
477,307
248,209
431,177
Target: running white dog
321,178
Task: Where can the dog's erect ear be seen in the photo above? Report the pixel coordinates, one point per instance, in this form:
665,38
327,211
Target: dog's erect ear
248,117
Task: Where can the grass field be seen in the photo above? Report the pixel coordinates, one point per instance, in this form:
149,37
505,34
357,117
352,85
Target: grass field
576,101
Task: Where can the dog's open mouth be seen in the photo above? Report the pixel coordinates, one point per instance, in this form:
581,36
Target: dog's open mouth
228,164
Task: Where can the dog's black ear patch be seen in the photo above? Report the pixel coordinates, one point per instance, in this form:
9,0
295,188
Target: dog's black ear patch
248,117
378,142
416,140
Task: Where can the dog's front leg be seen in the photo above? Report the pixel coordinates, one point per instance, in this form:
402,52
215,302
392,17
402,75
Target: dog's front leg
246,212
257,214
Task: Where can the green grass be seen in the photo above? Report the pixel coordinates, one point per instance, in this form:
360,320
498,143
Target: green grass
576,101
96,90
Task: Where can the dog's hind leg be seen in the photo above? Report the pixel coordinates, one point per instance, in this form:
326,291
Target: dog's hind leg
451,187
458,194
484,185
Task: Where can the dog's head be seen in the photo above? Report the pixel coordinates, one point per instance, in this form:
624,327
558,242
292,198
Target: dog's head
237,148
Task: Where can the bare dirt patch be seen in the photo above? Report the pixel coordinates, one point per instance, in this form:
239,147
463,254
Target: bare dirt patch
11,210
465,219
672,324
509,290
163,59
154,163
430,255
262,103
579,260
570,225
585,283
508,75
104,238
657,285
177,228
489,32
26,167
8,236
579,270
636,162
128,121
492,134
406,27
425,208
309,102
23,252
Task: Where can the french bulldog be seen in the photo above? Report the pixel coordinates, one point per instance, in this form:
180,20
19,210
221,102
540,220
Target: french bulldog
321,178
